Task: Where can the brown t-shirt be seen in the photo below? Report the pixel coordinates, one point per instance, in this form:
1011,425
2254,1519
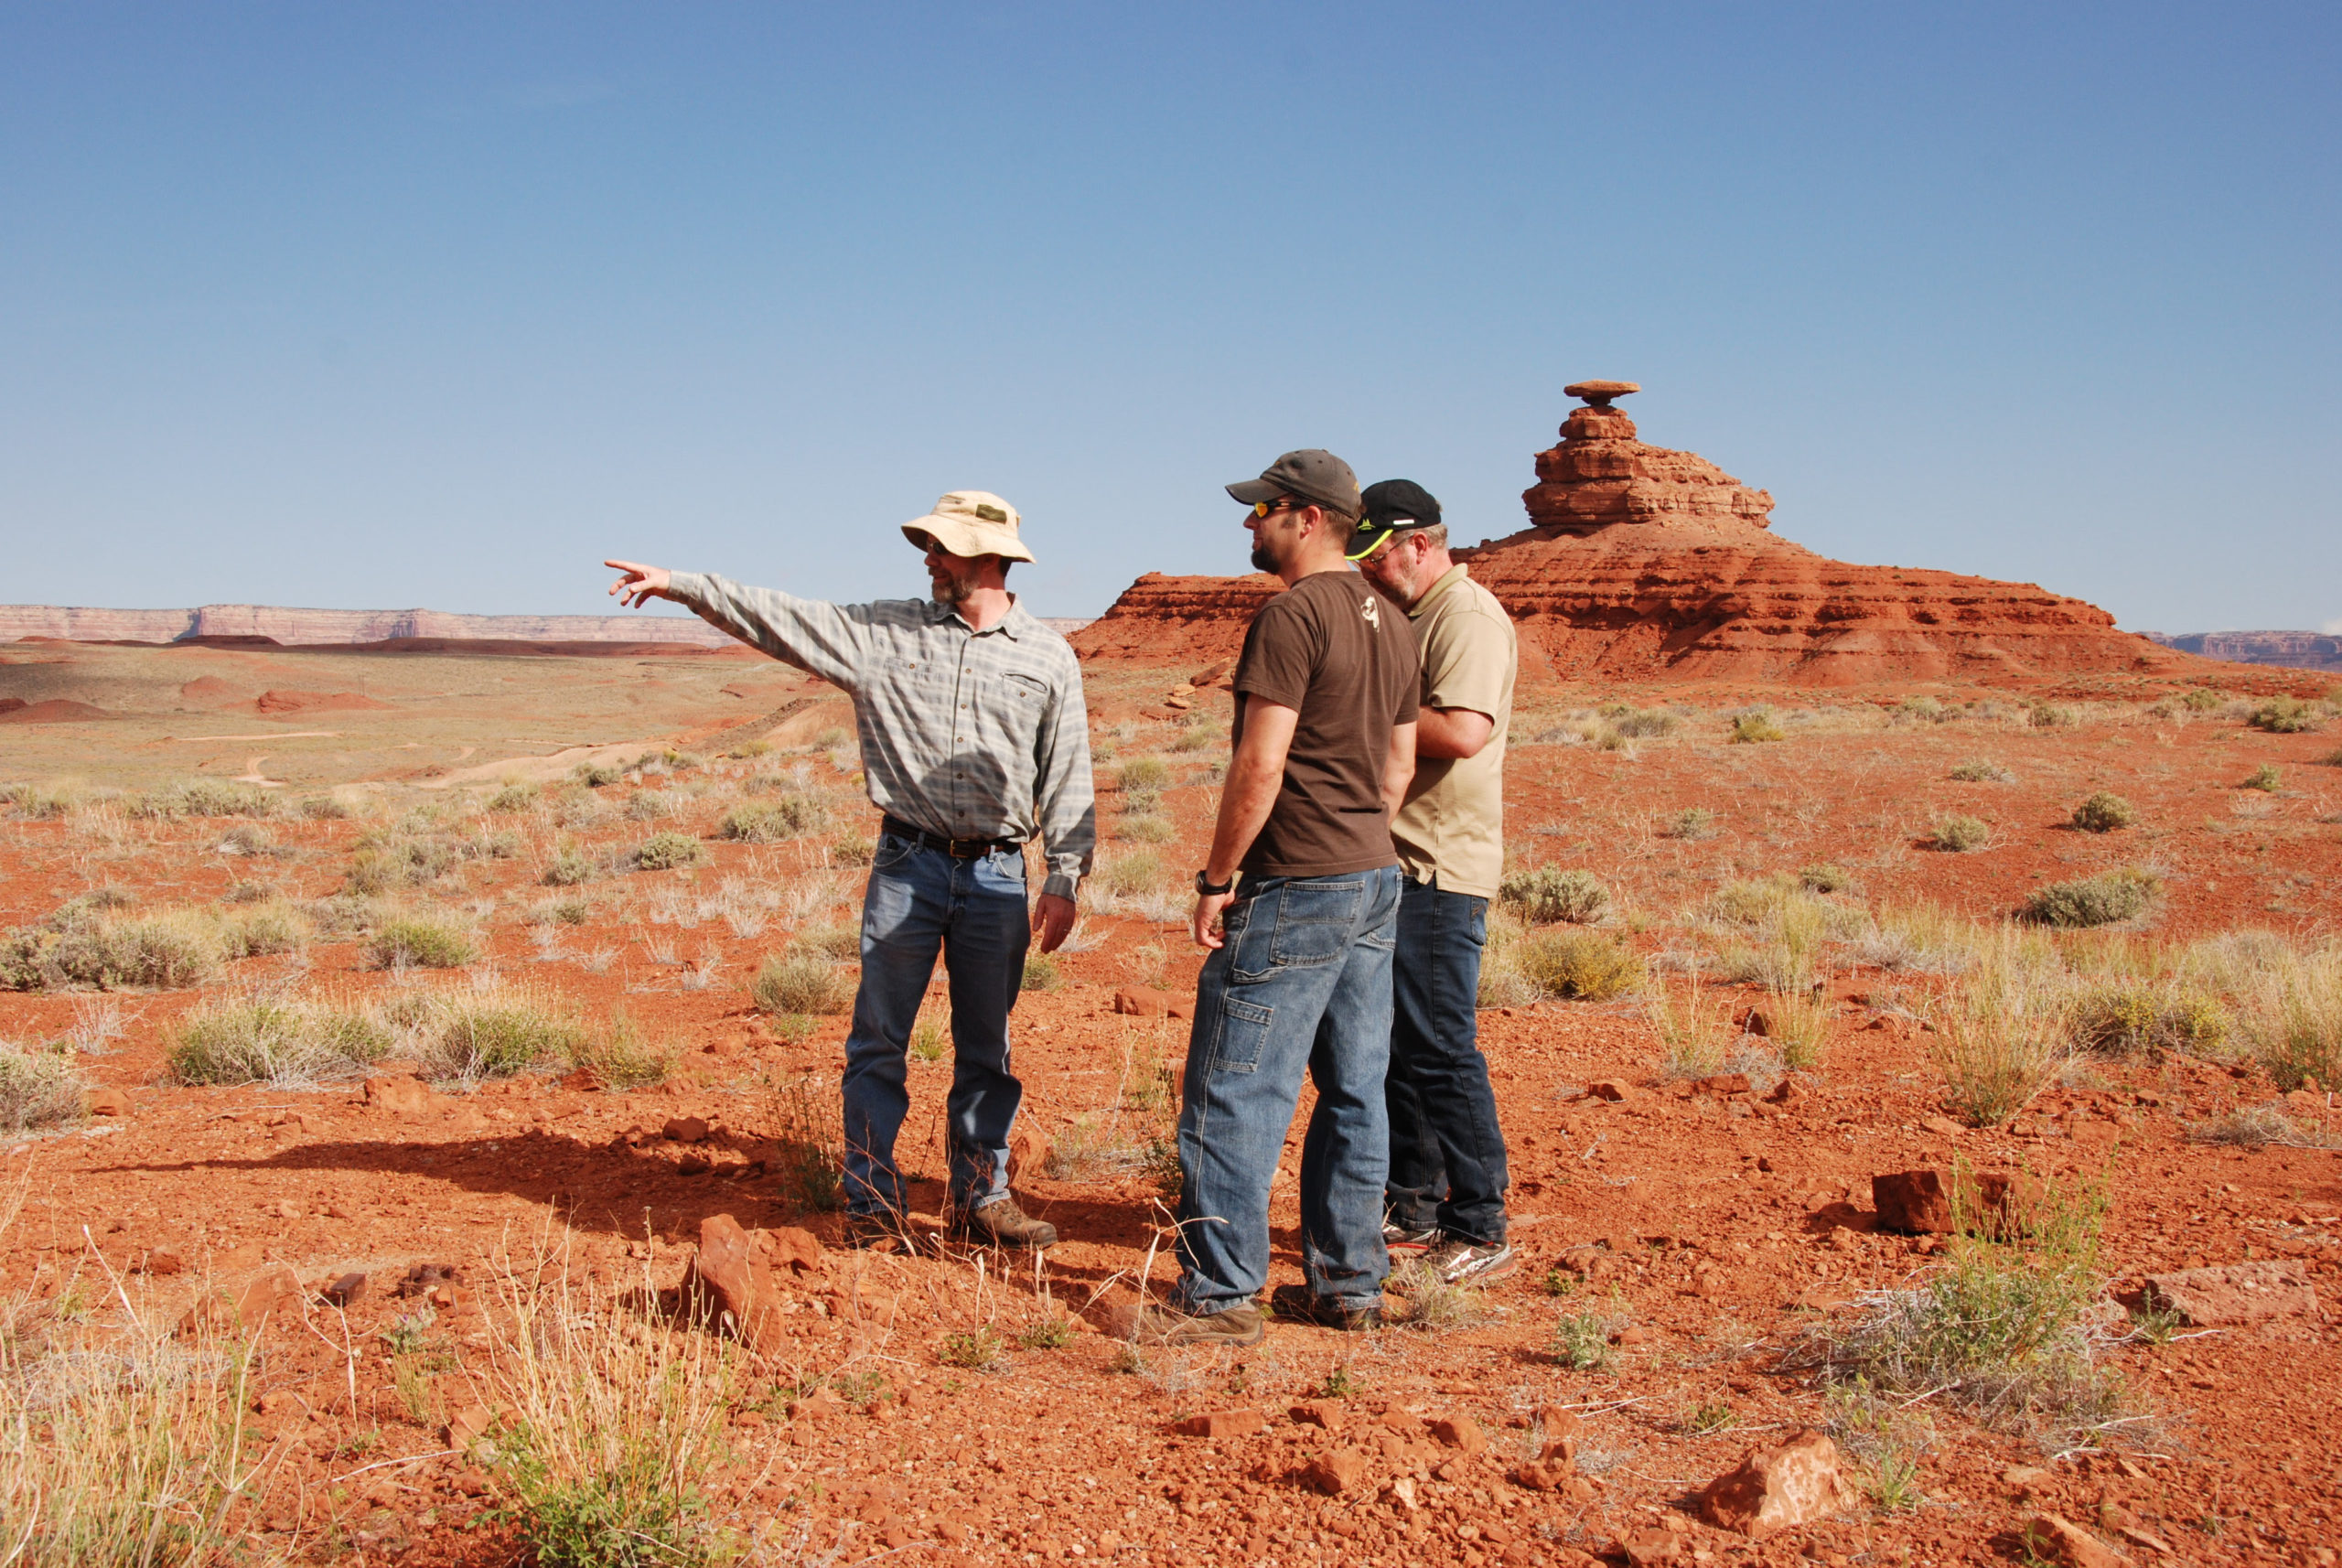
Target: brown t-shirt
1343,658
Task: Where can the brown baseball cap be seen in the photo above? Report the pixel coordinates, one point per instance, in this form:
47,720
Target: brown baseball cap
1311,474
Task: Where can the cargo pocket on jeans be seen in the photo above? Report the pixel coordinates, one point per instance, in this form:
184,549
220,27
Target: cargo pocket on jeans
1239,1034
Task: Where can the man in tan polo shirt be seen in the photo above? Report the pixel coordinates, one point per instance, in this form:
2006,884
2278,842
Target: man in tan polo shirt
1445,1196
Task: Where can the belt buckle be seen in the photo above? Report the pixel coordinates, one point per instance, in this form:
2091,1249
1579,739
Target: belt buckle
966,849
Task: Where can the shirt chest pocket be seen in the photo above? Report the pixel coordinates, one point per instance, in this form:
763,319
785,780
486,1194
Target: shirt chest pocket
1012,700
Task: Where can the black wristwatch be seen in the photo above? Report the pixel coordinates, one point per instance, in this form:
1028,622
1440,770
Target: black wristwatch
1206,886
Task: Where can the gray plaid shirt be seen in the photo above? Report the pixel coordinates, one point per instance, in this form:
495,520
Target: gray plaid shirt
969,734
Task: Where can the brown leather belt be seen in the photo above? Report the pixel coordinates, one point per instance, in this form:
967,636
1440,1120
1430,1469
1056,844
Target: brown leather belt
958,849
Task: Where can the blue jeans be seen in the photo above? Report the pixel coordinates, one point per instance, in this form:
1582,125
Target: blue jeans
1447,1164
1303,980
920,899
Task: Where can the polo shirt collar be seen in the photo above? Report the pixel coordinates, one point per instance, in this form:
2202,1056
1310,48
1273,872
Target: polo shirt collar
1447,580
1009,626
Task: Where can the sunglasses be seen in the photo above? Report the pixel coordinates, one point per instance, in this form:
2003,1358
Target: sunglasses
1282,503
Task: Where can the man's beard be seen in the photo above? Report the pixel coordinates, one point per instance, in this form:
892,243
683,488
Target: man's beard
952,591
1262,560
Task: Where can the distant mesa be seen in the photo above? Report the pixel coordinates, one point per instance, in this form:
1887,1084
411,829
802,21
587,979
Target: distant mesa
1642,562
2294,650
50,711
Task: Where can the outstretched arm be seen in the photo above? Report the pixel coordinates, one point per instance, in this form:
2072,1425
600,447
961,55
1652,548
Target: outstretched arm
638,584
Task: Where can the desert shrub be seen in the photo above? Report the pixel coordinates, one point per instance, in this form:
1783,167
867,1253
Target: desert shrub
81,944
1754,728
1145,773
801,983
1130,875
854,850
422,940
386,862
2005,1035
38,1089
2100,900
1581,1341
2284,716
1146,830
808,1133
1823,876
838,938
275,1040
263,927
1578,966
2203,699
2264,776
1636,723
1982,770
1691,1031
666,852
1140,804
2296,1027
472,1034
41,802
1958,834
620,1056
597,775
749,750
2104,812
1692,825
650,805
512,798
206,798
1199,737
1041,973
785,816
1927,711
2129,1017
1548,893
2003,1330
569,866
2049,715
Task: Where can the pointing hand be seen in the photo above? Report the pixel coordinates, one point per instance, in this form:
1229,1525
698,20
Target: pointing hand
638,584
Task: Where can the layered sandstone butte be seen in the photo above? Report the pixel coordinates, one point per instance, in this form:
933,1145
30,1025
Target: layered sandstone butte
1646,563
295,628
2294,650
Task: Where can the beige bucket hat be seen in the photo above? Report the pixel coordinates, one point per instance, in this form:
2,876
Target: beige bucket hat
971,522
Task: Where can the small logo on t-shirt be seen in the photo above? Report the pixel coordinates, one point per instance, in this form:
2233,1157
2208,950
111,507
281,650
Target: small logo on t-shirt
1371,611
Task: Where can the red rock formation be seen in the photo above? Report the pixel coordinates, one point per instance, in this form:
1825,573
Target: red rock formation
1644,563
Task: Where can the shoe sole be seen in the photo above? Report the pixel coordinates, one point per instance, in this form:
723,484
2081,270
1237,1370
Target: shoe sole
1489,1275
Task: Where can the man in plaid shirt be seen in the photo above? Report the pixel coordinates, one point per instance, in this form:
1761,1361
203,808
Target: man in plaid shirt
974,739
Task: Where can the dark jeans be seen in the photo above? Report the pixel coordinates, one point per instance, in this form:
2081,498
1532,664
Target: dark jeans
1447,1166
1303,980
920,899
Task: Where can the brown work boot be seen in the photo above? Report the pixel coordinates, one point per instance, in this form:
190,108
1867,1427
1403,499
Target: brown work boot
1000,1223
879,1231
1302,1304
1237,1327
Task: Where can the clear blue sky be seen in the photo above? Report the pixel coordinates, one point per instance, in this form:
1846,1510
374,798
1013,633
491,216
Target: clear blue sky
381,306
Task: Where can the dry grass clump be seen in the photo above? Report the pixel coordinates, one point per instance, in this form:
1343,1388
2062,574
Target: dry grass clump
42,802
1639,723
2001,1330
1825,877
2295,1022
2005,1035
422,940
513,797
801,983
2261,1127
620,1056
465,1036
120,1445
2104,812
668,851
1690,825
1137,883
1693,1031
86,942
1778,930
610,1425
1754,728
1149,773
1431,1304
1798,1025
1548,893
808,1129
205,797
2284,716
1576,966
1958,834
40,1089
1919,938
2124,1017
2100,900
788,816
1980,771
277,1040
2265,778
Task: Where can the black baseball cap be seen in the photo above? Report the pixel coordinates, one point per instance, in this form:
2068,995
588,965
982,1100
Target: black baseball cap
1311,474
1389,507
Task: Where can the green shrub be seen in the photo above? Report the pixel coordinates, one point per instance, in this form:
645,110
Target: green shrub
1581,1341
2122,1018
1150,773
389,861
493,1033
665,852
769,821
2099,900
39,1090
1822,876
1982,770
2284,716
1548,893
569,866
263,1040
422,942
1754,729
2264,777
2049,715
805,982
1578,966
2104,812
1958,834
2203,700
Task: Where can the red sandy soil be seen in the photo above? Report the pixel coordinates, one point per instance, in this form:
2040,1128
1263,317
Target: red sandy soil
316,703
1715,1228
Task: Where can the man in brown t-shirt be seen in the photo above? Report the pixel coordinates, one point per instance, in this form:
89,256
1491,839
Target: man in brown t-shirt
1299,972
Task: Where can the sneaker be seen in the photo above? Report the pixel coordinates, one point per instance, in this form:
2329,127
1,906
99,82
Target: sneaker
1397,1238
1306,1306
1000,1223
1238,1326
1462,1263
878,1231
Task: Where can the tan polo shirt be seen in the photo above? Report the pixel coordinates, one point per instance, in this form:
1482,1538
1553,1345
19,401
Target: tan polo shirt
1451,828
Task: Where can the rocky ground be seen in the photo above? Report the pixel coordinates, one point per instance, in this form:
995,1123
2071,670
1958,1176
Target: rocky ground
1690,1238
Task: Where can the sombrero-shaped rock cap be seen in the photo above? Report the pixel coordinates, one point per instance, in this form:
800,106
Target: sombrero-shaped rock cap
971,522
